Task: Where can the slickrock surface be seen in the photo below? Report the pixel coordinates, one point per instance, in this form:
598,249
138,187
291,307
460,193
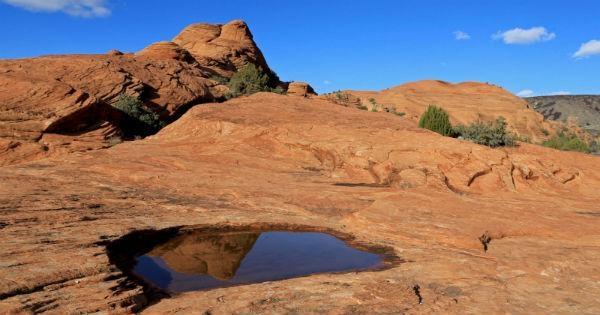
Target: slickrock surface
288,160
465,102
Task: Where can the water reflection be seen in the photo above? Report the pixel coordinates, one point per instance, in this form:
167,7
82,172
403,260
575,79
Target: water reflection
196,260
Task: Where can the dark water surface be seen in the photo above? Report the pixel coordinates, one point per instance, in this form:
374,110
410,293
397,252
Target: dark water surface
199,261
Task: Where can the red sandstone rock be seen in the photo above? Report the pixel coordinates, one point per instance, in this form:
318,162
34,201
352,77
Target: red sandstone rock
295,161
300,89
222,48
70,95
167,50
465,102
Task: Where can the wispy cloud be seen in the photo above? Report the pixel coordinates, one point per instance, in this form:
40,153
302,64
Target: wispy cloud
588,49
519,36
560,93
460,35
83,8
525,93
327,82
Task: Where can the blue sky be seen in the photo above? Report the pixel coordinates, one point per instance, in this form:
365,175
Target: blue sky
523,46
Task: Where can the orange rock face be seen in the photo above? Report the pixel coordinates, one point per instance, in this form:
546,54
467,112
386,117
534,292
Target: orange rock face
300,89
222,48
480,230
68,97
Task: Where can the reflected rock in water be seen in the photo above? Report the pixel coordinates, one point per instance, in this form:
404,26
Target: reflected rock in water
216,255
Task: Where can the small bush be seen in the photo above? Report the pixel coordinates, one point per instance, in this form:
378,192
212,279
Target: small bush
148,121
362,107
400,113
342,98
493,134
249,80
436,119
567,142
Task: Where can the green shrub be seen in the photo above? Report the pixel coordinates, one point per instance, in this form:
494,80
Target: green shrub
362,107
146,120
567,142
436,119
251,79
492,134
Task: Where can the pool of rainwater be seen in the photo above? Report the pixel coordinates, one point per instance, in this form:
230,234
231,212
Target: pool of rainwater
194,261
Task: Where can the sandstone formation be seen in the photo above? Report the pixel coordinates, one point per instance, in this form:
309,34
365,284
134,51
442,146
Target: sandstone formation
300,89
465,102
480,230
58,104
222,48
167,50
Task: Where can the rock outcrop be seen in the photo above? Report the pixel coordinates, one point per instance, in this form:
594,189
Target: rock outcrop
57,104
222,48
300,89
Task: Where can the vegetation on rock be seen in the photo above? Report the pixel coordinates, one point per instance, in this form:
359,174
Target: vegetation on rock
251,79
492,134
146,122
567,142
436,119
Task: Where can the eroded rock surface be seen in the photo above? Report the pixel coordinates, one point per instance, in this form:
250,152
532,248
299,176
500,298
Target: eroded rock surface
289,160
300,89
465,103
69,97
222,48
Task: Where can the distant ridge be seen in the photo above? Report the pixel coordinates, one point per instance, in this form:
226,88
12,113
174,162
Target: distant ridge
584,108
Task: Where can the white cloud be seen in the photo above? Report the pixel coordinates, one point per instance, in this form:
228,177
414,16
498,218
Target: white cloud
525,93
521,36
587,49
460,35
83,8
560,93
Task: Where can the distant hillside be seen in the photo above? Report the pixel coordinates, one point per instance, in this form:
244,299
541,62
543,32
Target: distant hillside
465,102
586,108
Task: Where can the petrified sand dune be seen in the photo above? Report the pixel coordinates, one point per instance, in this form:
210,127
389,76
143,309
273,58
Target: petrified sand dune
59,104
480,230
465,102
289,160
